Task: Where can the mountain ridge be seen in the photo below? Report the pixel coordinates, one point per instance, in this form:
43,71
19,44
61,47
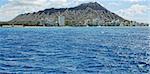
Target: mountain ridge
91,13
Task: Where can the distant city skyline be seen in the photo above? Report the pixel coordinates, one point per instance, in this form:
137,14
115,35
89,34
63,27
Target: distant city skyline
136,10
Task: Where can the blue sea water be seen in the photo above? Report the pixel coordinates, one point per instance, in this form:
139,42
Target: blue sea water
91,50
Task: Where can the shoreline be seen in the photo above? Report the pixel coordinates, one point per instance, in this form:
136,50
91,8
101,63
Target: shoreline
75,26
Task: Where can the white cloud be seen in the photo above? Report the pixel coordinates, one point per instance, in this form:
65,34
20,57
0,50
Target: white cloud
16,7
134,0
134,11
28,2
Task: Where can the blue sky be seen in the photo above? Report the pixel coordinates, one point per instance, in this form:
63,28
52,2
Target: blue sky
2,2
137,10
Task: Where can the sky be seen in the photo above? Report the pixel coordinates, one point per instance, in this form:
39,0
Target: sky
136,10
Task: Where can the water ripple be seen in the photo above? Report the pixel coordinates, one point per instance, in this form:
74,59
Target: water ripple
75,50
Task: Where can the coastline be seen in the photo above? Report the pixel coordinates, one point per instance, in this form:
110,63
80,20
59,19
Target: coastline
75,27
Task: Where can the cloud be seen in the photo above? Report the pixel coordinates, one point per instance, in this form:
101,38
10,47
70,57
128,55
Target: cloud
135,11
134,1
16,7
27,2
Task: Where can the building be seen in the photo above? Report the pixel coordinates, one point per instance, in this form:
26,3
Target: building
95,21
42,22
87,22
61,20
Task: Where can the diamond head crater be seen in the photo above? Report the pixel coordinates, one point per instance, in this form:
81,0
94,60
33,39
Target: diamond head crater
86,14
74,37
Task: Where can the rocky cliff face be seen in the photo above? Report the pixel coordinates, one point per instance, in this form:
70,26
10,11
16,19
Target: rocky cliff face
87,13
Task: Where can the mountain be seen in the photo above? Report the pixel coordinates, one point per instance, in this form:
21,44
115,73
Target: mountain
85,14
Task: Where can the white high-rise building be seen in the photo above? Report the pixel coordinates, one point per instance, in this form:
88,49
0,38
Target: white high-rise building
95,21
61,20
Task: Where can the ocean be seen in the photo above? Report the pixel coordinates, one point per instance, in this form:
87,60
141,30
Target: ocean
75,50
